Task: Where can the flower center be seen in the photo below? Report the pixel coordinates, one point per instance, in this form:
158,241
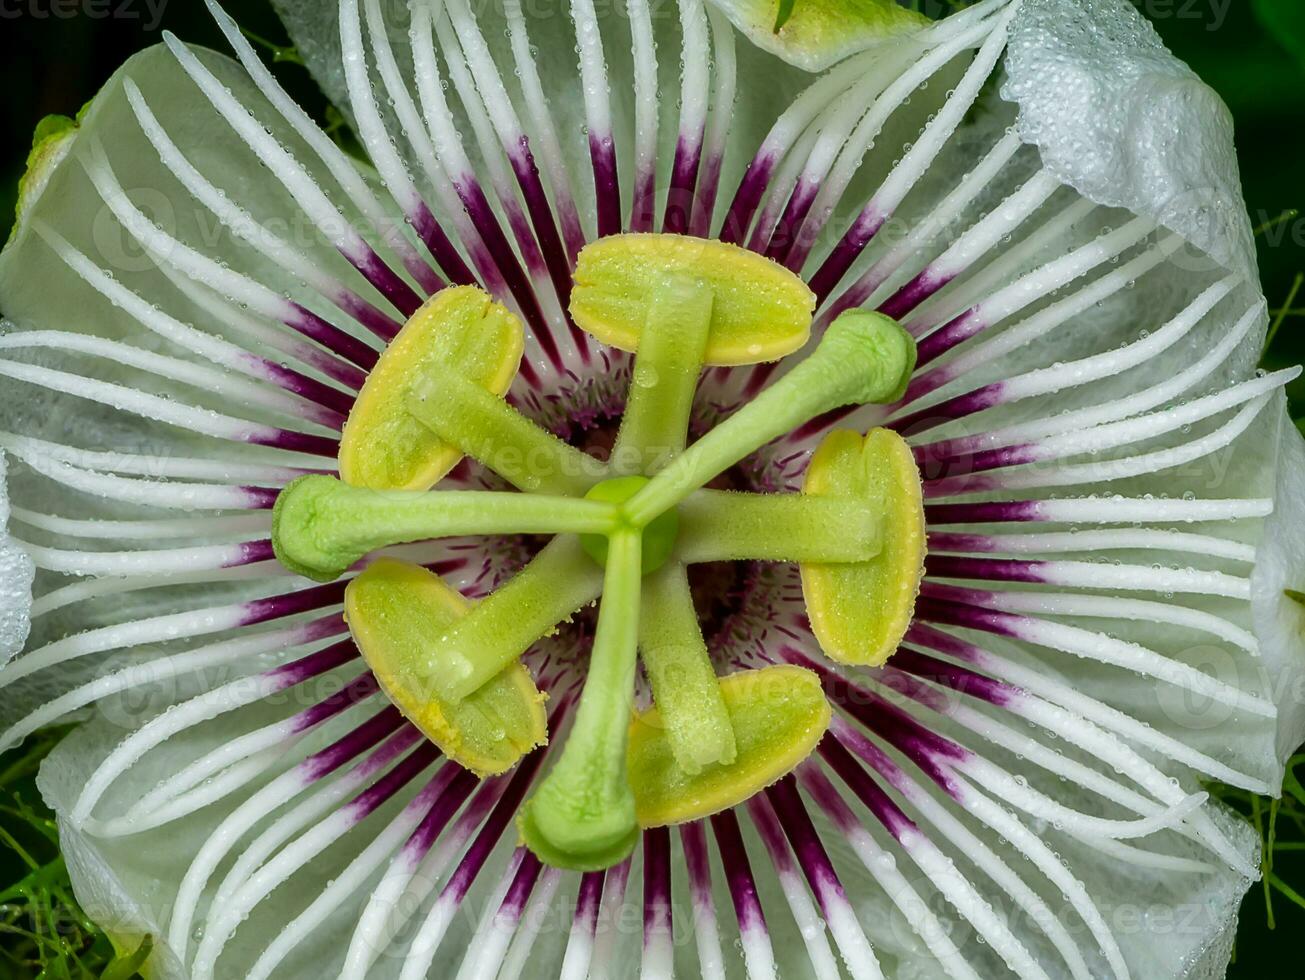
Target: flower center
626,529
658,538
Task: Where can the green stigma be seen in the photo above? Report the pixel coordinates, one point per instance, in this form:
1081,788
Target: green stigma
623,532
658,537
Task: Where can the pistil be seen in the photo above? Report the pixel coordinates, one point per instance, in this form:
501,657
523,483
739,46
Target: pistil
583,814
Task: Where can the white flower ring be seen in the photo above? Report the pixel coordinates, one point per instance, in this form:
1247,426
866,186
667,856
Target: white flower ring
201,281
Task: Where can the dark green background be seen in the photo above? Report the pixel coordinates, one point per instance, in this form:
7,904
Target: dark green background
1251,51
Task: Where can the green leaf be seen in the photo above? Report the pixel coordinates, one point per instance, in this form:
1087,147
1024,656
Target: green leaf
129,966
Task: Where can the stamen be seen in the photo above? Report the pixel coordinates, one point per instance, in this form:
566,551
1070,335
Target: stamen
859,611
459,330
672,348
475,421
730,526
558,582
759,311
777,716
393,609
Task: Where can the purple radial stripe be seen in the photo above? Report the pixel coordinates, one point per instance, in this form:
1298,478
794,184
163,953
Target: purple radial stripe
968,617
846,252
387,282
791,222
381,324
656,883
951,334
758,377
960,543
325,761
870,793
314,664
744,206
952,593
589,899
550,241
802,834
923,384
607,189
693,837
259,498
445,801
298,442
441,248
959,679
987,569
684,182
505,260
291,603
952,486
509,803
915,292
853,741
337,341
337,402
428,831
878,715
412,765
822,423
251,552
523,883
962,464
704,205
997,512
355,692
952,646
949,411
644,206
738,872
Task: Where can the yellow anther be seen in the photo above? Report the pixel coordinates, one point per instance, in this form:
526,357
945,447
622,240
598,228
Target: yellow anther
779,715
391,608
860,611
760,310
461,329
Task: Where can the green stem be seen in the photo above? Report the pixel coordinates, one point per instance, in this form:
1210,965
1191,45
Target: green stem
862,358
321,526
488,429
672,345
582,816
561,580
684,683
724,526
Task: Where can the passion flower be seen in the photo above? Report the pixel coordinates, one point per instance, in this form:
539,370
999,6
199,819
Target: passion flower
715,492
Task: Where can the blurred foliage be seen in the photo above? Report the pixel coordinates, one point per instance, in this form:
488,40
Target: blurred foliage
1251,51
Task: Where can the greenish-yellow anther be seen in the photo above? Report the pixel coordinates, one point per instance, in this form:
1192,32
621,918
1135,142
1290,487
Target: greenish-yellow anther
859,611
778,715
461,330
388,608
760,311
